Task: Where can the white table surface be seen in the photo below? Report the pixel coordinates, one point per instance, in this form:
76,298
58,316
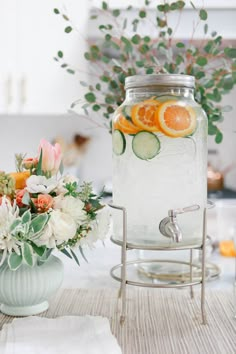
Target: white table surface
96,273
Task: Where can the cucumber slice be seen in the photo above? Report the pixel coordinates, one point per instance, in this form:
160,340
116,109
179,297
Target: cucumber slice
146,145
119,142
126,111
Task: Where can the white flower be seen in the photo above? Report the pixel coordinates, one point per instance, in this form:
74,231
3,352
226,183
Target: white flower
71,206
40,184
60,228
64,180
8,214
101,228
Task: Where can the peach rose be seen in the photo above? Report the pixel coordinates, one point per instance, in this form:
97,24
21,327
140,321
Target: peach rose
43,203
19,196
30,162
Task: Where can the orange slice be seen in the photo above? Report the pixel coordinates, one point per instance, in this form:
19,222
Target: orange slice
176,120
125,126
143,115
227,248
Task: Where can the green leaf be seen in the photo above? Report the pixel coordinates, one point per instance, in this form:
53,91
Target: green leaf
75,257
201,61
14,261
140,63
205,28
128,46
116,13
60,54
96,107
179,59
109,99
82,254
193,6
212,129
142,14
173,6
169,31
218,137
61,168
39,166
180,45
180,4
90,97
65,17
66,253
136,39
104,5
68,29
230,52
203,15
98,87
149,70
199,75
39,250
56,11
27,254
39,222
26,217
146,39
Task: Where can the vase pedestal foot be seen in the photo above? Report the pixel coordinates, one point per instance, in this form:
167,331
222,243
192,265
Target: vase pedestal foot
24,310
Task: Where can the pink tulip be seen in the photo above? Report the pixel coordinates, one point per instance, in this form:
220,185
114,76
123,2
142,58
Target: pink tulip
51,157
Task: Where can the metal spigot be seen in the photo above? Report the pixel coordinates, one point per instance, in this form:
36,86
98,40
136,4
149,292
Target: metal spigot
169,226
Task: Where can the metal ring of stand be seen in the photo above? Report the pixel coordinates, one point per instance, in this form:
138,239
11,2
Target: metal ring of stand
125,246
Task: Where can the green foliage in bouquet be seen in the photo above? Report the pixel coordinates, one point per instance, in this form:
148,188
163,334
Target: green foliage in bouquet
212,63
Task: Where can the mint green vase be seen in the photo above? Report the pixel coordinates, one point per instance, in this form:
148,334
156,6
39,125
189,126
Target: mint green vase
25,291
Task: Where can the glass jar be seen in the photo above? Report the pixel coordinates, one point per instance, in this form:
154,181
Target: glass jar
160,162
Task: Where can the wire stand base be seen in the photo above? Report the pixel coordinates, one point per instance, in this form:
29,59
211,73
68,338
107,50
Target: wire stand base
123,279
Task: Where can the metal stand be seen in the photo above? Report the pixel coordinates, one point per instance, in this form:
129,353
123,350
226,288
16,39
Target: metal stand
125,245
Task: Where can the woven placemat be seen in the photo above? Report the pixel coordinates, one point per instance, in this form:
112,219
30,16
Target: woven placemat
159,321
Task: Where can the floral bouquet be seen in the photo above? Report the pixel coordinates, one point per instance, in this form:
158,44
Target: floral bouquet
42,210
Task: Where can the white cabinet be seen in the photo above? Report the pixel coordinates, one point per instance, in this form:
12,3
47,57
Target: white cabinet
31,82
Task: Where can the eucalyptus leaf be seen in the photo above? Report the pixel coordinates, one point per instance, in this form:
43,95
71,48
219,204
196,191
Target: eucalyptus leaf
68,29
203,14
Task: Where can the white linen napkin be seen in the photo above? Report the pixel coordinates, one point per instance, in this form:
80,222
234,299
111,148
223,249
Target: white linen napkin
62,335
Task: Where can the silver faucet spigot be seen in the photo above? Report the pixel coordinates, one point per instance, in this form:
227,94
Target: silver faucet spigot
169,226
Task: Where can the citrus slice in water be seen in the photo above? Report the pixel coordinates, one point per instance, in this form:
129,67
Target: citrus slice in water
143,115
125,126
176,120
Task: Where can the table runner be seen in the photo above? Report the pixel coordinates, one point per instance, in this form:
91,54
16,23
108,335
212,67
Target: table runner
159,321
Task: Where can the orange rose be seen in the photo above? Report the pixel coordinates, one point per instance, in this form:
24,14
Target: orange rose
19,196
43,202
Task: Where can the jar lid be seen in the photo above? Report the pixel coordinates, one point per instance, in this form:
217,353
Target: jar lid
175,80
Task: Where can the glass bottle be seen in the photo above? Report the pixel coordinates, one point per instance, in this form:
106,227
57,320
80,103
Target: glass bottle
160,162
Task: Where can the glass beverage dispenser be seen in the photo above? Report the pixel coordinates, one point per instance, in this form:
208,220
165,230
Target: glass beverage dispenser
160,162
